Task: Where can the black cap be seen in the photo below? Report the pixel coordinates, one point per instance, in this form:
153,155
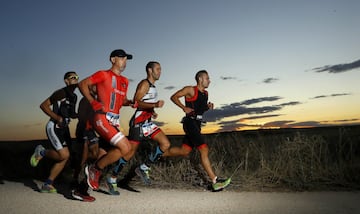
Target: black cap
120,53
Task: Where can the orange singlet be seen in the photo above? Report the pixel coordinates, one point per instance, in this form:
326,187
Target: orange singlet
111,92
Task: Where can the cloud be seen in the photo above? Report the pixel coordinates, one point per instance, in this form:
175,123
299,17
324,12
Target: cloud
331,95
338,68
307,124
169,87
236,125
318,97
289,104
236,109
270,80
346,120
227,78
240,108
259,117
343,94
258,100
233,125
279,123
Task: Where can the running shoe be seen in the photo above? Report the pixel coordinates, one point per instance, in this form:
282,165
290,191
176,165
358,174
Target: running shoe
82,196
221,184
36,156
92,176
144,174
112,187
48,188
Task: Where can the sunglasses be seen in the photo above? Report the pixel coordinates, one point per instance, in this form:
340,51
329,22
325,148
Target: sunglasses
73,77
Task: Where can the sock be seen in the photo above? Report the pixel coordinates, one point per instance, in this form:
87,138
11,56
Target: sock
48,182
112,179
214,180
120,165
144,166
42,153
156,156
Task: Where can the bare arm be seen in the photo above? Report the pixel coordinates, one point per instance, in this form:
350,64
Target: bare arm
84,87
187,92
141,91
45,107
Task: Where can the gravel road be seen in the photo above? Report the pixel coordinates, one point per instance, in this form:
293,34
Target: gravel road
22,197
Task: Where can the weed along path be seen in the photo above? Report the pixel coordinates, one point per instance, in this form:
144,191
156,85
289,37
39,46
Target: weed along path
20,197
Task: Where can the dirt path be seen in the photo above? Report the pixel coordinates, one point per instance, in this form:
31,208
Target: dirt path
20,197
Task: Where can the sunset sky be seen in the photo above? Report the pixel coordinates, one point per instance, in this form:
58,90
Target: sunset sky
272,64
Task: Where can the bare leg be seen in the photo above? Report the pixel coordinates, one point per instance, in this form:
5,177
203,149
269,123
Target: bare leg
119,150
205,162
163,141
177,151
62,157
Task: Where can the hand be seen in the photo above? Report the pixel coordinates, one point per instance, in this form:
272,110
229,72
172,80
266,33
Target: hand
188,110
60,121
97,106
134,104
159,103
210,105
154,115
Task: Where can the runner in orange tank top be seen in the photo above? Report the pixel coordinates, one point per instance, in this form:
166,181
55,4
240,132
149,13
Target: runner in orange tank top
111,89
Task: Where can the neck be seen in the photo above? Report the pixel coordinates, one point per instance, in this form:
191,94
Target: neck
201,88
116,70
152,80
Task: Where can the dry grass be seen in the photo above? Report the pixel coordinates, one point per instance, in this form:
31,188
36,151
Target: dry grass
262,160
266,160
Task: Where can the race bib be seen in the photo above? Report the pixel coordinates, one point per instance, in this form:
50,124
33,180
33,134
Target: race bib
148,128
114,119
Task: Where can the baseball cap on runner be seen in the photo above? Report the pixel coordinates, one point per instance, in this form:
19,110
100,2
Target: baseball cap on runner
120,53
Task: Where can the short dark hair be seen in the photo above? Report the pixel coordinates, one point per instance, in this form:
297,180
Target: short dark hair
68,74
151,64
199,74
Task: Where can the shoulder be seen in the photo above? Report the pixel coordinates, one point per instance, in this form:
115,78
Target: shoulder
144,82
188,88
191,90
99,75
58,94
187,91
143,85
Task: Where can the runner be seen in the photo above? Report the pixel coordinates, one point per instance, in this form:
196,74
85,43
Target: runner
63,103
111,89
142,127
196,103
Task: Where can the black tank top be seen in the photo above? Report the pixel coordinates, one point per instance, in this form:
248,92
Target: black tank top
198,102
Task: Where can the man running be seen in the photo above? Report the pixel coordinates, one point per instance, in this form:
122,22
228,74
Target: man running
63,103
196,103
142,127
111,89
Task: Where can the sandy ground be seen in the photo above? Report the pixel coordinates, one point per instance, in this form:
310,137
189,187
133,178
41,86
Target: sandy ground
22,197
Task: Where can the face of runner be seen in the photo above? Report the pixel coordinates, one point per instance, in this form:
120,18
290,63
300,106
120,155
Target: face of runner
120,62
156,71
205,80
72,79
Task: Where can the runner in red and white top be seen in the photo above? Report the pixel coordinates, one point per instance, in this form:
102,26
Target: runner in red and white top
142,127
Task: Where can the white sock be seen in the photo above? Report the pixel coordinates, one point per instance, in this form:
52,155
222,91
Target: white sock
111,179
144,167
214,180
